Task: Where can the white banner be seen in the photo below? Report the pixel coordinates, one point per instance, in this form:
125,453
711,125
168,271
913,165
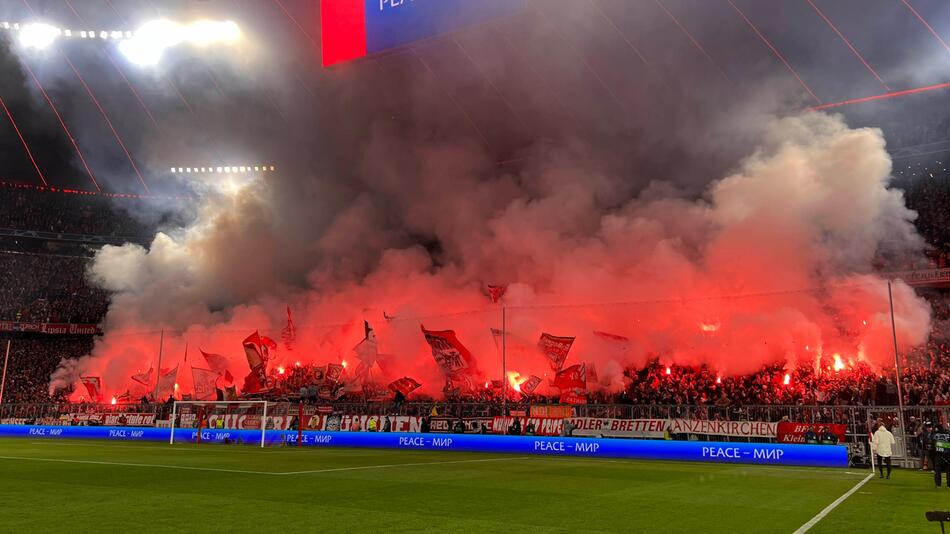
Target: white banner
741,429
619,428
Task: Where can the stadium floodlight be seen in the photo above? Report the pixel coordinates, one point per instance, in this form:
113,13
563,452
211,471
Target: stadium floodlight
148,44
38,35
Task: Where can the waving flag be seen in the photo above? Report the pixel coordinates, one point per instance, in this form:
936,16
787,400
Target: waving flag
268,347
496,292
367,350
531,384
334,372
574,377
404,385
125,397
166,383
254,350
204,380
144,378
449,353
289,334
93,386
255,381
555,349
216,362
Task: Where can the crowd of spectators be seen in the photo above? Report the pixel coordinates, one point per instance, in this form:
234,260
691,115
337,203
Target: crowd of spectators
33,358
926,186
27,207
46,288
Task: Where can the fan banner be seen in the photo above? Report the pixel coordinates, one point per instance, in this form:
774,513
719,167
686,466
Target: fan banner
619,428
449,353
795,432
739,429
555,349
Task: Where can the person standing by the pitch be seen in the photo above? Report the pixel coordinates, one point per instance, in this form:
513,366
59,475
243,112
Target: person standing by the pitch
940,441
883,446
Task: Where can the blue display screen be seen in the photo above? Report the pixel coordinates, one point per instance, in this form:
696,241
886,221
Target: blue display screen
391,23
693,451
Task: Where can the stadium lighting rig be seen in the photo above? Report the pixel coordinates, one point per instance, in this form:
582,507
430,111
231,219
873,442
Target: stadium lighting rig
40,35
144,46
226,169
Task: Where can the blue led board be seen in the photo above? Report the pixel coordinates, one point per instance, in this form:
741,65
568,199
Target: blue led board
691,451
354,28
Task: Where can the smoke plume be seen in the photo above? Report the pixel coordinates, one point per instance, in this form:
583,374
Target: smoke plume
773,262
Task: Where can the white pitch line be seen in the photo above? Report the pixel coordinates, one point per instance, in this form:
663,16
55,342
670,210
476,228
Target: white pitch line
159,466
821,515
504,459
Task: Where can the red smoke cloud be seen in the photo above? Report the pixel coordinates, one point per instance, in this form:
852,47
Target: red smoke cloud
772,264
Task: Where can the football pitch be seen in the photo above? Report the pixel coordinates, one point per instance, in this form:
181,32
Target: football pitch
89,486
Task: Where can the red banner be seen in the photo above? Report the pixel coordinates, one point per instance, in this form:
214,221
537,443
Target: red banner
552,411
555,349
542,426
795,432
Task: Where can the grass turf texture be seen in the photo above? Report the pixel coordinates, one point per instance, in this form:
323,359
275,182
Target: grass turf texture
187,488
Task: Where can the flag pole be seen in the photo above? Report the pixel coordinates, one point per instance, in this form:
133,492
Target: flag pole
897,366
158,374
3,381
504,361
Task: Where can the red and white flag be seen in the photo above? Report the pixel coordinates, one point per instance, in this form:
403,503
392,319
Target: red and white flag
529,385
216,362
404,385
289,334
449,353
93,387
254,350
555,349
204,381
334,372
256,380
574,377
166,383
144,378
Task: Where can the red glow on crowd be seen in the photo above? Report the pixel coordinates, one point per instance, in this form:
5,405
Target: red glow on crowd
839,365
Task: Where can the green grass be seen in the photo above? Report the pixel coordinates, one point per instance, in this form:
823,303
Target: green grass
428,492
